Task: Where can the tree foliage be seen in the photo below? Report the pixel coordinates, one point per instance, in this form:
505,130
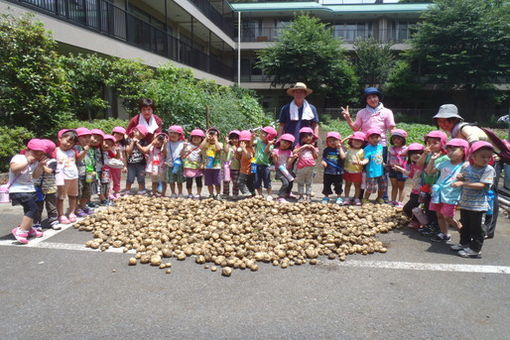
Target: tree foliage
373,61
307,51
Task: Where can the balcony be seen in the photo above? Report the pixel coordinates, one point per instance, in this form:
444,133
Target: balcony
216,17
103,17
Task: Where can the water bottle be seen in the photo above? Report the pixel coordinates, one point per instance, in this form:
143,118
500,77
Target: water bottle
253,166
177,165
285,172
105,176
226,172
210,162
490,200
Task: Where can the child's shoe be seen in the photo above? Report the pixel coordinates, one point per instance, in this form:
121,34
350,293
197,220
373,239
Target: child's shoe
88,211
364,201
292,196
440,237
380,201
458,246
197,197
399,205
142,192
282,200
64,220
325,200
269,198
81,213
339,201
72,218
37,226
190,196
34,233
55,225
414,225
20,235
357,202
469,253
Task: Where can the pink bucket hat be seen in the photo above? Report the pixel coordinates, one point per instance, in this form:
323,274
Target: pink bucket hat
61,132
481,145
50,146
245,136
142,129
82,131
415,147
109,137
287,137
458,142
334,134
97,132
358,135
36,144
437,134
119,129
373,131
308,130
399,132
177,129
271,132
213,129
234,132
198,133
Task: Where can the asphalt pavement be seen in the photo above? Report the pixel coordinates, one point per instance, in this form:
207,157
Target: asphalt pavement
56,289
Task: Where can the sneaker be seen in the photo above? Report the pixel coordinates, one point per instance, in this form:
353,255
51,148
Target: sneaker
93,205
440,237
112,196
458,246
37,227
325,200
88,211
282,200
339,201
81,213
269,198
348,201
414,225
364,201
292,196
197,197
380,201
20,235
190,196
142,192
212,197
55,225
399,205
34,233
469,253
72,218
357,202
64,220
173,196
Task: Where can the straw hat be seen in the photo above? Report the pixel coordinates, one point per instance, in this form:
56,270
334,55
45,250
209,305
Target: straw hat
299,86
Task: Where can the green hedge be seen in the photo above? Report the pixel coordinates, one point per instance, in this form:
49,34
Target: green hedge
12,140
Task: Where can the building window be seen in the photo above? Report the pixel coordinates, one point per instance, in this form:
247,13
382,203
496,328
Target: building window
349,32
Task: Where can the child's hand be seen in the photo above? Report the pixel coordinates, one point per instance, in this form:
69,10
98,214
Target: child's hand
242,145
124,170
427,150
435,156
457,184
460,177
324,164
135,140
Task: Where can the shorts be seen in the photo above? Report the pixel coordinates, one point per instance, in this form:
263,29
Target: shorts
212,176
27,200
374,183
188,172
263,174
444,209
356,177
70,188
397,175
178,177
137,171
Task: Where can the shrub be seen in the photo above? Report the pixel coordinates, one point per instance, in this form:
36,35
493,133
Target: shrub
12,140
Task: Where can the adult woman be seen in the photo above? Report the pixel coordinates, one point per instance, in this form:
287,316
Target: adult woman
298,113
449,120
146,118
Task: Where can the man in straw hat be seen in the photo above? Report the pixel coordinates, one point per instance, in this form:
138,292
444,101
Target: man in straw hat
298,113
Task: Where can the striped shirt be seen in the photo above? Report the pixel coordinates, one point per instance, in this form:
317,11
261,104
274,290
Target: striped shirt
474,199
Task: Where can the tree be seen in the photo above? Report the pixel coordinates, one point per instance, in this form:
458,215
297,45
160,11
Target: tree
373,61
33,89
464,44
308,52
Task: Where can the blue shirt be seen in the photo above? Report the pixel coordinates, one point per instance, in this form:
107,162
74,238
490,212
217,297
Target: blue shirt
474,199
448,175
374,154
335,165
293,126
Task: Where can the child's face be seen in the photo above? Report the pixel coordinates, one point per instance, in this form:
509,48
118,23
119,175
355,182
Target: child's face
84,140
397,140
38,155
66,142
415,156
234,139
455,153
173,137
96,140
137,134
306,138
196,140
434,144
482,157
285,145
211,136
118,136
263,136
158,142
356,143
332,142
374,139
107,145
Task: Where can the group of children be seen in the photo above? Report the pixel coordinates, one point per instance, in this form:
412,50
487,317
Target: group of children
443,174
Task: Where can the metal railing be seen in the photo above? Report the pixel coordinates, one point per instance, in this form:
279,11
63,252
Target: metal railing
105,18
216,17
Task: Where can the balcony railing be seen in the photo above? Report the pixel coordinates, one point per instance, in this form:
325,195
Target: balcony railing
105,18
216,17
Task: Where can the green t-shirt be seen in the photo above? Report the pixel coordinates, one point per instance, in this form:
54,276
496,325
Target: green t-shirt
230,156
261,156
431,179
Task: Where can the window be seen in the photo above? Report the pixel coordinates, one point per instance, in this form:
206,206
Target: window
349,32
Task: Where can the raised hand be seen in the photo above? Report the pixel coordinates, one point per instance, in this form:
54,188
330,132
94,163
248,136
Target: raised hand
345,112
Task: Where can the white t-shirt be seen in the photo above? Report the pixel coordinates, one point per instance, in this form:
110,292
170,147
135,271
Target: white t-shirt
173,152
22,182
66,163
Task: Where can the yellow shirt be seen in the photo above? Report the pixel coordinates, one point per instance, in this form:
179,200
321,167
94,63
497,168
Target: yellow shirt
351,156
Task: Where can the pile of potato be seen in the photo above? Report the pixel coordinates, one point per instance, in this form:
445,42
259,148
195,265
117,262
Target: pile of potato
237,235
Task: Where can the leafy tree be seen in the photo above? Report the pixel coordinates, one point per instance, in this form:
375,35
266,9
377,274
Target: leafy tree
373,61
307,51
33,89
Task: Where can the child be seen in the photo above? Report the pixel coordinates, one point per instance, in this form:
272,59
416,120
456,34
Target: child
191,156
475,182
414,152
306,153
444,196
211,149
23,168
174,147
435,142
119,133
156,166
375,167
245,154
86,171
263,147
67,175
396,157
353,167
333,162
46,187
137,147
109,154
281,155
96,152
231,164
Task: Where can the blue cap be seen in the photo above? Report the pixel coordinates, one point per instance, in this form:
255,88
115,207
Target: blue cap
372,90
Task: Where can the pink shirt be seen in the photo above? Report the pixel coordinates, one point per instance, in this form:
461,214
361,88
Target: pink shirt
282,156
305,158
397,155
382,119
